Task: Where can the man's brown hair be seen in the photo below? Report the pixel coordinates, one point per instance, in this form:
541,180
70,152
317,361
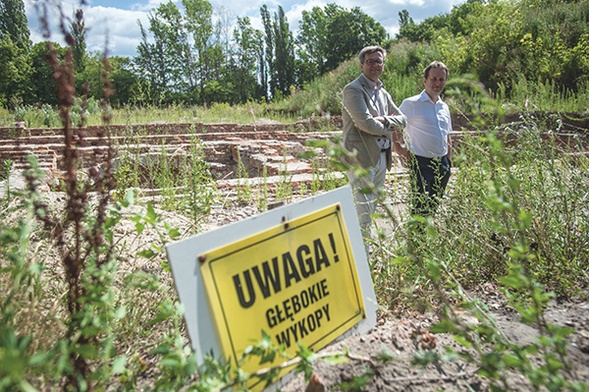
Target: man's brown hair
435,64
369,50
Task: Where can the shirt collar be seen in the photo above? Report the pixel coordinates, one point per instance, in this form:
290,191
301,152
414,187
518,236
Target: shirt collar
372,85
425,97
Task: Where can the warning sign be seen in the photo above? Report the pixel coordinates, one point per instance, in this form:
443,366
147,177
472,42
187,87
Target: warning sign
297,282
297,273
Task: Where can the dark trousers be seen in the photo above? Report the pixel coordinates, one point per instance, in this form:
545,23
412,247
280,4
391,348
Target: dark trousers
429,177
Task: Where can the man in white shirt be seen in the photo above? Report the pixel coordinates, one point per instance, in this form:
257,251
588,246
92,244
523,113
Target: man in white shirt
369,117
428,145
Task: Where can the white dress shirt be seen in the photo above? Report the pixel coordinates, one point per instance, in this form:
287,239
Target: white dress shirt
428,125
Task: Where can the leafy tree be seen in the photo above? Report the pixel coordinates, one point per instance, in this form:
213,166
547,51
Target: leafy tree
284,56
529,40
423,32
185,55
152,66
121,76
162,62
459,22
279,58
249,43
218,87
348,32
199,24
190,59
312,43
554,38
80,56
329,36
406,26
505,42
15,71
214,91
123,79
13,23
15,83
43,90
463,19
78,32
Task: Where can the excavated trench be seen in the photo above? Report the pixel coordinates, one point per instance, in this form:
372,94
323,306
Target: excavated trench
234,153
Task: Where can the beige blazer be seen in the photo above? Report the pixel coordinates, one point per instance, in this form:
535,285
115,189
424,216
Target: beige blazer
361,130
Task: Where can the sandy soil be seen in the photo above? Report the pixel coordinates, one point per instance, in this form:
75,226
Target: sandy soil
402,338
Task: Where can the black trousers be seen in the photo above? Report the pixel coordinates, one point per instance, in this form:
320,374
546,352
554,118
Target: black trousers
429,177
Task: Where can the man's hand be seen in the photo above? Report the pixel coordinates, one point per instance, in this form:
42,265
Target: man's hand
400,149
381,120
397,122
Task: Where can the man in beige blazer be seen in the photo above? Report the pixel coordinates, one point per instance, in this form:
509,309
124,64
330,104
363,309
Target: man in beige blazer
369,119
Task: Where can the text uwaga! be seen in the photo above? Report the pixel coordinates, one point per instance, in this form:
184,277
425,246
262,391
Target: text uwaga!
271,276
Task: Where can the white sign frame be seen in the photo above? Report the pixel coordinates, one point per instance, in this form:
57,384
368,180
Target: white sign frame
186,268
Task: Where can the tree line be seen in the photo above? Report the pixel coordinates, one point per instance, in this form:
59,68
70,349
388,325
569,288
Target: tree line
190,54
195,55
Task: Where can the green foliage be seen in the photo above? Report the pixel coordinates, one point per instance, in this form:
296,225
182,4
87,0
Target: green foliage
284,188
326,176
5,167
404,67
42,92
182,60
320,97
99,300
15,66
278,69
357,382
250,47
45,116
524,52
505,222
197,183
13,23
507,42
535,179
331,35
19,274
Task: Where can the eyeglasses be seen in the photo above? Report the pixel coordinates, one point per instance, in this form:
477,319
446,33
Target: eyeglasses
373,62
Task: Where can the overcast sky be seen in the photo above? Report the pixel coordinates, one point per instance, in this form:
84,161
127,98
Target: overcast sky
116,21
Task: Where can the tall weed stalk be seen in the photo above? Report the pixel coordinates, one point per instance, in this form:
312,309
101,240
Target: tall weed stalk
505,223
62,309
511,181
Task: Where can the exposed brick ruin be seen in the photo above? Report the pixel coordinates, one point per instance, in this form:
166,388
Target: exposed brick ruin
269,149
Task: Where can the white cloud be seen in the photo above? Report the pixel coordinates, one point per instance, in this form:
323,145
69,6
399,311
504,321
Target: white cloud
150,5
119,27
104,24
295,14
418,3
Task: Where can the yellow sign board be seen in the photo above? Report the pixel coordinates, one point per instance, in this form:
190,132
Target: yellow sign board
296,281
